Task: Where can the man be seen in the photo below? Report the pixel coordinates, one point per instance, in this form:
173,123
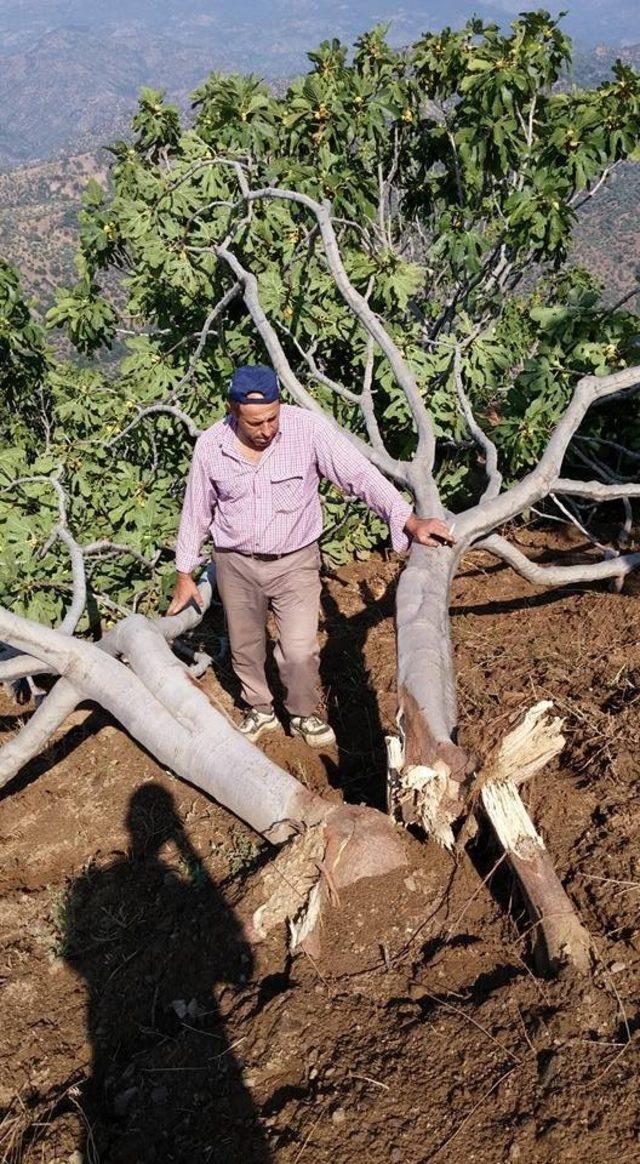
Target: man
253,486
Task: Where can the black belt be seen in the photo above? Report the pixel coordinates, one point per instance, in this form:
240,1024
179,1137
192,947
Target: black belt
260,557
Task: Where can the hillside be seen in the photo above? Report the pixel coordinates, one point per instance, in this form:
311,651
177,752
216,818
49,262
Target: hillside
607,238
39,200
39,204
38,218
69,89
420,1033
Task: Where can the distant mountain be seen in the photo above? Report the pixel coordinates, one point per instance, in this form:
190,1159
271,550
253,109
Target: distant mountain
71,88
70,70
97,80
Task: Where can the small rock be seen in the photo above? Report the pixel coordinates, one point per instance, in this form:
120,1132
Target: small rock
410,884
338,1116
514,1152
617,967
75,1158
180,1007
396,1156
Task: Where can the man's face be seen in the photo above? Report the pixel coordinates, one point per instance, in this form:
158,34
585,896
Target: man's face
257,424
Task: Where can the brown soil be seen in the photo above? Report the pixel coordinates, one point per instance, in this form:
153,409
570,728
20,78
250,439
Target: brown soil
138,1025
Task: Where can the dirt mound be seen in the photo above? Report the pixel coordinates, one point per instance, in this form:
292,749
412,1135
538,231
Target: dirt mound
139,1025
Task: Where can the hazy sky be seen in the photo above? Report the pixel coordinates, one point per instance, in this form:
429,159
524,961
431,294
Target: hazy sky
589,21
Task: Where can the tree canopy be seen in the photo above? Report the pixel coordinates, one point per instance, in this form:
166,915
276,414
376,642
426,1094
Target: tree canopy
450,175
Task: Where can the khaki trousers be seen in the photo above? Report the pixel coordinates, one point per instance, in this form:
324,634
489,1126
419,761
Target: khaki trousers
290,587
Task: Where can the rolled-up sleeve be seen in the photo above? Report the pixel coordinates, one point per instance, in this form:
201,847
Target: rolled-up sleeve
346,467
197,512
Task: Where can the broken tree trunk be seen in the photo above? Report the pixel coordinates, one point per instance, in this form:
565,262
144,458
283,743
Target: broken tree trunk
430,776
559,936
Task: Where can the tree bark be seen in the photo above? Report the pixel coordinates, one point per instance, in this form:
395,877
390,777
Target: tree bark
427,702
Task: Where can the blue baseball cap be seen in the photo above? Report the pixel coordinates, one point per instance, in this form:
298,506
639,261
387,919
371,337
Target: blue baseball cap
256,382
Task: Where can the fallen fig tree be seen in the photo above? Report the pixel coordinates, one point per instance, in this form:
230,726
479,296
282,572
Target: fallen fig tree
392,235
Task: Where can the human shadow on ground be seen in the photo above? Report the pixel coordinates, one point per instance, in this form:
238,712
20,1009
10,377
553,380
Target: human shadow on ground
154,943
352,700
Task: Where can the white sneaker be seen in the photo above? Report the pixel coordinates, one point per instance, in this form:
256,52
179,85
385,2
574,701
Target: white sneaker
257,723
314,731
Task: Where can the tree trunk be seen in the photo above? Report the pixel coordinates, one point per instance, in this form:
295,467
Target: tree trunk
427,703
170,715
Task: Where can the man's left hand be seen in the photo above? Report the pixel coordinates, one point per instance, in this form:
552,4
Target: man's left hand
429,531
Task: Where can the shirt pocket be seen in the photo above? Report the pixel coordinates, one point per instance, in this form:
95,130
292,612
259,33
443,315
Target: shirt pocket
287,490
232,487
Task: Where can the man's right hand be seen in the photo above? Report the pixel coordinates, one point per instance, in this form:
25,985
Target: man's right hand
185,592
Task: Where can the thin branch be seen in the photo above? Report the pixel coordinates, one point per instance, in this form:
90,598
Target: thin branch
625,299
609,444
317,373
15,666
204,164
572,519
594,190
53,480
366,400
484,442
106,548
151,410
220,306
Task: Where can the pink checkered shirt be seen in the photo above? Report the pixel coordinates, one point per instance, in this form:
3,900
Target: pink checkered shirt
273,506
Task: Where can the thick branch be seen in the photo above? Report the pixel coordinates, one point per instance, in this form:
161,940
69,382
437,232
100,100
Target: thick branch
79,593
540,481
595,490
557,575
265,796
367,317
36,733
397,470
